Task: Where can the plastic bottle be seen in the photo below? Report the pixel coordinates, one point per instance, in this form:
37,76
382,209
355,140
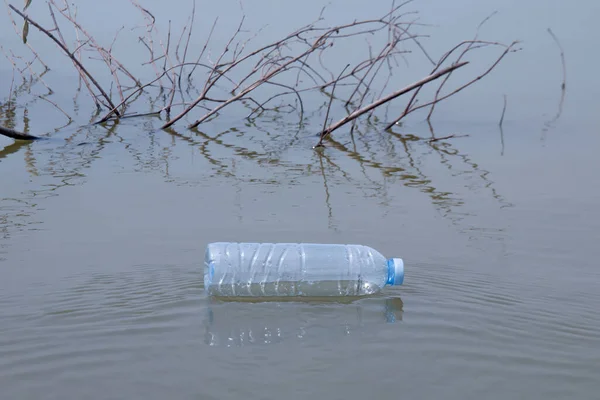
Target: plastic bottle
297,269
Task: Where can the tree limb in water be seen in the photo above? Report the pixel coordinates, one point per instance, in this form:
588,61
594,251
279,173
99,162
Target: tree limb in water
11,133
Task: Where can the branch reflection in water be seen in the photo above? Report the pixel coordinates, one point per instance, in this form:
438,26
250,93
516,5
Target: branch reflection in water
275,151
368,161
49,166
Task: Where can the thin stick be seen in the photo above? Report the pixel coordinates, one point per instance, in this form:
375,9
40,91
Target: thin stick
187,43
503,111
140,89
150,26
68,53
459,89
320,43
77,52
432,140
46,68
12,85
332,97
292,91
562,57
214,76
28,66
104,53
57,107
212,29
413,99
387,98
465,51
563,86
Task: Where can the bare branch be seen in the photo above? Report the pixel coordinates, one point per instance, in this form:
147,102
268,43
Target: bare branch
67,52
137,91
563,86
503,111
296,64
387,98
409,109
57,107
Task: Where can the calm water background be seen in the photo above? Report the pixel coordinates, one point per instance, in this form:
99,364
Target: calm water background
102,235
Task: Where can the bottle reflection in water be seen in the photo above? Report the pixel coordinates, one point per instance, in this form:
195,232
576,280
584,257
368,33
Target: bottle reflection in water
233,324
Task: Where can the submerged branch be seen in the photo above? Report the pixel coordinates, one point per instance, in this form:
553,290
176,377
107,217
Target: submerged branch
11,133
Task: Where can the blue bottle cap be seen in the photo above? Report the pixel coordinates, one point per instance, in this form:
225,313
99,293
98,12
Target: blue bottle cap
395,271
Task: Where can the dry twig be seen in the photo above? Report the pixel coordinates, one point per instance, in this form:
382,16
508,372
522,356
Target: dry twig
67,52
387,98
293,65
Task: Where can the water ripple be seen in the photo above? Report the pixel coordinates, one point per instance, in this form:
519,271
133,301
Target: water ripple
98,321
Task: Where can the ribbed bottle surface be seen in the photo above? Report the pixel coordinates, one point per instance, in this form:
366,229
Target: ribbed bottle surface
291,269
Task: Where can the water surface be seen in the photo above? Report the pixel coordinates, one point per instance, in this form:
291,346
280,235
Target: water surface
103,229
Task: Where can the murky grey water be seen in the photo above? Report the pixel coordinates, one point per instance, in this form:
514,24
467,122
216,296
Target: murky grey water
102,239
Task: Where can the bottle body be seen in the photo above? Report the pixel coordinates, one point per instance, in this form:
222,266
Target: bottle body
293,269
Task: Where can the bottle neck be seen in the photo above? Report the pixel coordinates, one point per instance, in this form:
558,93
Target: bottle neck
391,272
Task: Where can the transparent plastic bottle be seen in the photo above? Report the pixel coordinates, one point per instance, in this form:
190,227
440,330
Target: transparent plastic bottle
297,269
